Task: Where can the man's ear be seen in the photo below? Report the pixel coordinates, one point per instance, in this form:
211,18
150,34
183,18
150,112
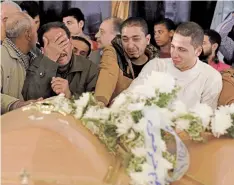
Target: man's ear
171,33
81,24
214,47
28,35
198,51
148,37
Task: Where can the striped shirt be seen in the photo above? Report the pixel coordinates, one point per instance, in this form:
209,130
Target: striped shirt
227,44
24,59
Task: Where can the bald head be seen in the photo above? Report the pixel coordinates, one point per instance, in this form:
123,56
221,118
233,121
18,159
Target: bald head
8,8
17,24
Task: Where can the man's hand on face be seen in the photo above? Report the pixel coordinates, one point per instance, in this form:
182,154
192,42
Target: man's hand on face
60,85
52,49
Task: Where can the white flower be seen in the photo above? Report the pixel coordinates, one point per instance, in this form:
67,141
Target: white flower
231,107
182,124
78,112
145,91
179,108
220,123
140,126
166,116
83,100
139,178
136,106
80,104
124,124
97,113
118,101
204,112
139,151
164,82
162,145
92,127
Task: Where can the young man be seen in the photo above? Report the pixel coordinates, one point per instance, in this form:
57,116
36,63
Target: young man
32,9
199,82
58,70
21,37
163,33
122,61
75,22
81,46
211,44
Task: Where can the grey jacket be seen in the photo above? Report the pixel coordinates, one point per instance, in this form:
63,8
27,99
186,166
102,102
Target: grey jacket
82,77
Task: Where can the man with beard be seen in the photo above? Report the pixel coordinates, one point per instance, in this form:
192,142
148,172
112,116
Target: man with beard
210,48
198,82
124,59
58,71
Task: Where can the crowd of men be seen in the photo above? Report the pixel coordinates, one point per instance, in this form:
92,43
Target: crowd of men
39,62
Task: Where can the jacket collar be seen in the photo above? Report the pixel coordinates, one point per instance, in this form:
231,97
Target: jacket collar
77,63
11,51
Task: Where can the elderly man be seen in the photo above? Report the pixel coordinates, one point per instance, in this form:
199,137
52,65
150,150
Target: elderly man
58,70
199,82
122,61
16,56
7,8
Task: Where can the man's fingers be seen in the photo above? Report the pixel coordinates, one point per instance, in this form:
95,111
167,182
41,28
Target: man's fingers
57,79
61,39
64,44
56,85
57,36
58,90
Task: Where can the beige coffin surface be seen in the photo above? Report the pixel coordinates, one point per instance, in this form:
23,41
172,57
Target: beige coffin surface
58,150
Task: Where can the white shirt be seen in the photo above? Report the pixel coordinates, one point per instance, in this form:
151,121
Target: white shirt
200,84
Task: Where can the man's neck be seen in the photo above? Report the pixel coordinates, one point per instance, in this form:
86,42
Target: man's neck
210,59
21,46
141,60
166,48
189,67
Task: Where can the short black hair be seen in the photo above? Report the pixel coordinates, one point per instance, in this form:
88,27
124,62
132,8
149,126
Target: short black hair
46,27
170,25
76,13
31,7
135,21
83,40
214,37
193,30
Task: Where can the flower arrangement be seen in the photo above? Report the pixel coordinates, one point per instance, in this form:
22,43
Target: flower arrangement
124,124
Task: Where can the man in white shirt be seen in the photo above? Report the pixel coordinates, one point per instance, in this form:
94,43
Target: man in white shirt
199,82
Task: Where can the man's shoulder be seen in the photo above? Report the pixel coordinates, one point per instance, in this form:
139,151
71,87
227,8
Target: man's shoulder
209,72
161,64
6,56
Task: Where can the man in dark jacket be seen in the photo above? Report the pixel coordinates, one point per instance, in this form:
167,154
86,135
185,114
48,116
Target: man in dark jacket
57,70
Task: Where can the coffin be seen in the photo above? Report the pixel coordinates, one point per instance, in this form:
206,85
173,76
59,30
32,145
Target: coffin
211,162
57,150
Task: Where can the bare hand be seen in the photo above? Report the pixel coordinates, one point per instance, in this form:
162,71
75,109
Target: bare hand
53,48
60,85
20,103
